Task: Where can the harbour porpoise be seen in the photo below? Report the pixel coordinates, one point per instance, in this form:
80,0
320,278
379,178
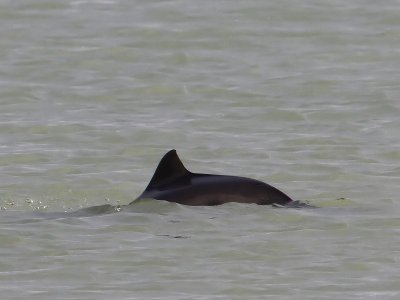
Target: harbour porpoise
173,182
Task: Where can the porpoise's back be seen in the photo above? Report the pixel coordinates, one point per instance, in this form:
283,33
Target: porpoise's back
173,182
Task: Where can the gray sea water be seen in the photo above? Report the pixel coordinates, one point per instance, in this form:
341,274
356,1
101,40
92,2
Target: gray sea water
303,95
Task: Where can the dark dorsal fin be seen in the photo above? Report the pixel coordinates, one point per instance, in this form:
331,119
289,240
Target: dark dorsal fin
169,169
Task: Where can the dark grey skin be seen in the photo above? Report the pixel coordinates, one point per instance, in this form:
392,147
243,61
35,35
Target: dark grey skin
173,182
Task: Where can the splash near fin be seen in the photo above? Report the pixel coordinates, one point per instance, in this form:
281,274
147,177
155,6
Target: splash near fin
169,169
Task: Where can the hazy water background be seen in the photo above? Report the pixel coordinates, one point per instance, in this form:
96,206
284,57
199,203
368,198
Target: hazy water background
301,94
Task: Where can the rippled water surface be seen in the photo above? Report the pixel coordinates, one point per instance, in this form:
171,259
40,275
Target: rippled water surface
303,95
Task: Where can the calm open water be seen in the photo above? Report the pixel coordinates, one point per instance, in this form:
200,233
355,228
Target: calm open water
304,95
